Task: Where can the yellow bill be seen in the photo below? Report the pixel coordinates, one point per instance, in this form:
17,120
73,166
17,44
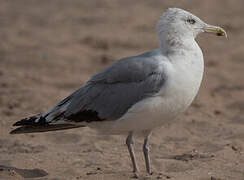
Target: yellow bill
219,31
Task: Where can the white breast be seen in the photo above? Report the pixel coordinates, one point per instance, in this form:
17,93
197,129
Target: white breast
184,79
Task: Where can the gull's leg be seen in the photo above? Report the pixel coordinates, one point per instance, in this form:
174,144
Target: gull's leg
129,143
146,152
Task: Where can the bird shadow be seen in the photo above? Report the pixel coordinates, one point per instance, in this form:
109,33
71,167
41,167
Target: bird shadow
25,173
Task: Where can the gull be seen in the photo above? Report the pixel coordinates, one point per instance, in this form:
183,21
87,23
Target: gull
136,94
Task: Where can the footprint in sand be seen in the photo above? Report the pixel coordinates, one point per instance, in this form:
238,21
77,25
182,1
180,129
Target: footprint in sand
13,173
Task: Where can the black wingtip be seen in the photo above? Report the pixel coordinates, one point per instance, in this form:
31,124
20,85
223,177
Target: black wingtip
18,123
22,130
31,121
15,131
43,128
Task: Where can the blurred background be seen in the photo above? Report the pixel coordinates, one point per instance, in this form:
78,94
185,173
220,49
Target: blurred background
50,48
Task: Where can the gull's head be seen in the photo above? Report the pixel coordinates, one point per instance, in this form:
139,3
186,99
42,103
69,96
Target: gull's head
182,24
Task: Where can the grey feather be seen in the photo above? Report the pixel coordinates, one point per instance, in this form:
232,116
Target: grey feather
111,92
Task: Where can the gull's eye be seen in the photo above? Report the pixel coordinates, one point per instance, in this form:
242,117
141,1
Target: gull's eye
191,21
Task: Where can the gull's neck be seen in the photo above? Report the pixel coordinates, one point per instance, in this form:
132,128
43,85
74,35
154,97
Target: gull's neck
172,44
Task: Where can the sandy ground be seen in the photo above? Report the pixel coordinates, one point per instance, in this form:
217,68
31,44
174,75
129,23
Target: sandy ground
50,48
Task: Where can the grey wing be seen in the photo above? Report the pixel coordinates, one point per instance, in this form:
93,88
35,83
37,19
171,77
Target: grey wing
110,93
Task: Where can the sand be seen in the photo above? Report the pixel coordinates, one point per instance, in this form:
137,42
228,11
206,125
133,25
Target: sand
47,50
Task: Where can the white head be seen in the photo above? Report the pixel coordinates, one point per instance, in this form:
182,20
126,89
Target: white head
179,24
